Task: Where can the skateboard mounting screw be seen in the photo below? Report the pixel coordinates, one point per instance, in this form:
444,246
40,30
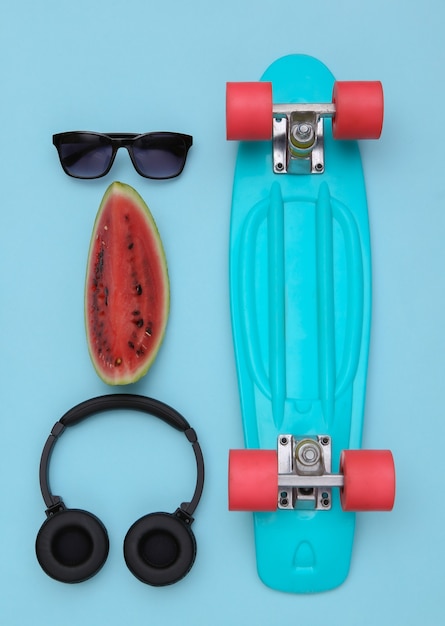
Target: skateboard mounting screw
284,500
280,166
325,502
284,441
319,167
325,441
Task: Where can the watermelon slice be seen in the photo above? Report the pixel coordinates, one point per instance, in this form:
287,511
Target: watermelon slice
127,294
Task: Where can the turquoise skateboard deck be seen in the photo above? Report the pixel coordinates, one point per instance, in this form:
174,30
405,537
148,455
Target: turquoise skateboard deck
300,289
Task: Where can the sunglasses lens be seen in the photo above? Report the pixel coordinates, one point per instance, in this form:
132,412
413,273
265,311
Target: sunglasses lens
84,155
160,155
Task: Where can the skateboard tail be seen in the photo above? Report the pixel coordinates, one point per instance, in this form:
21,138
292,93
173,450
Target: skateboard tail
316,559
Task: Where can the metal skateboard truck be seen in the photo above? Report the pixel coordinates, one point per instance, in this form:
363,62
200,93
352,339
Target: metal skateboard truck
298,476
297,129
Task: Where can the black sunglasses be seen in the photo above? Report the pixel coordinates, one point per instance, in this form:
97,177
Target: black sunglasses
154,155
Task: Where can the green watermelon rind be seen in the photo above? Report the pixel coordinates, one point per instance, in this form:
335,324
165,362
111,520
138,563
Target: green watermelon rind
138,201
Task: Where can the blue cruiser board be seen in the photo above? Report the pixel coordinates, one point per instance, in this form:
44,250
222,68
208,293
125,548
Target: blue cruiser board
300,289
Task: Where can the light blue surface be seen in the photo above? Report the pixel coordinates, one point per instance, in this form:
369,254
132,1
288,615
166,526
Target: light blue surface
300,290
138,65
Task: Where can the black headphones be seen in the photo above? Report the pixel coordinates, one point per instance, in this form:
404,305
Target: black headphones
159,549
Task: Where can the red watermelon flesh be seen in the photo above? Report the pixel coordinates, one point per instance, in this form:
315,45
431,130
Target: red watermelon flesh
127,292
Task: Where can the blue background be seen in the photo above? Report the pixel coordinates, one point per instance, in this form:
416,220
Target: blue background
139,66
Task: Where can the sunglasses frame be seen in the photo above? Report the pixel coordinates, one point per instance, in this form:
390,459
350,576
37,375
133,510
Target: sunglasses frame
123,140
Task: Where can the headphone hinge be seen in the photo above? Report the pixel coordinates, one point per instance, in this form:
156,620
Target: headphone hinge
183,515
56,507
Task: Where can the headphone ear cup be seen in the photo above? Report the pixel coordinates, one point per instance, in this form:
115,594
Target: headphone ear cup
160,549
72,546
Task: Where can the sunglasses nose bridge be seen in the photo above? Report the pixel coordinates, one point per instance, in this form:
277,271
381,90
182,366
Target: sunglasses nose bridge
120,142
124,142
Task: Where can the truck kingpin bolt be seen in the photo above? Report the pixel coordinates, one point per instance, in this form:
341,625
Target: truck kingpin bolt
308,453
303,135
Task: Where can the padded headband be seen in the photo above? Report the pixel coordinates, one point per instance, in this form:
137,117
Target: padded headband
120,401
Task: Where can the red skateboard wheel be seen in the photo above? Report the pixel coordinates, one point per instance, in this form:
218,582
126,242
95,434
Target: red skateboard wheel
253,480
359,109
369,480
249,111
